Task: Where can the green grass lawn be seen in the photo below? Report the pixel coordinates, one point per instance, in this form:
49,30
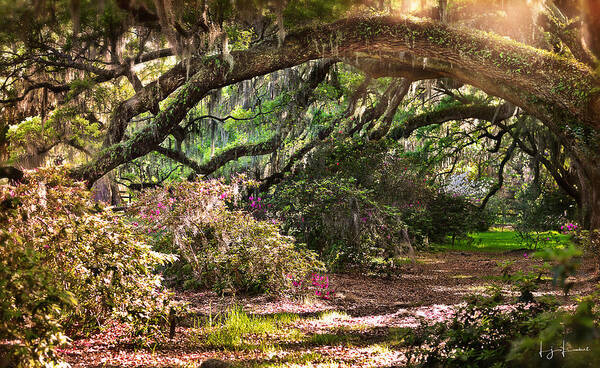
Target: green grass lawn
497,240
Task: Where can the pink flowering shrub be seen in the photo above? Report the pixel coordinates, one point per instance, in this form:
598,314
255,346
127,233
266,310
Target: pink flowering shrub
589,240
66,263
317,286
568,228
227,249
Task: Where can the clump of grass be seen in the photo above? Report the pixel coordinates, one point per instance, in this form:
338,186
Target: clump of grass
237,330
328,339
229,331
284,318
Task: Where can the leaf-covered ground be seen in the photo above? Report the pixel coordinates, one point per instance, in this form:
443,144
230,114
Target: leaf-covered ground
359,327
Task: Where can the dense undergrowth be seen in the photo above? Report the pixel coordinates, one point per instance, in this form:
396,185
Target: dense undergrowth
68,264
356,200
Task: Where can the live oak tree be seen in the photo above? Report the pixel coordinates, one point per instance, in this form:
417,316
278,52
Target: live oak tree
91,72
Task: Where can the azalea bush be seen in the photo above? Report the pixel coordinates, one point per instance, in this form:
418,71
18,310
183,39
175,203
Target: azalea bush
226,249
32,304
317,286
67,264
588,240
539,210
356,200
340,220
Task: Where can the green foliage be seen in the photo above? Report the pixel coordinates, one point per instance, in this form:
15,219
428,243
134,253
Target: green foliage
337,218
66,262
589,241
479,334
227,249
300,11
538,211
31,303
62,125
523,332
564,264
561,338
452,215
233,329
346,203
356,200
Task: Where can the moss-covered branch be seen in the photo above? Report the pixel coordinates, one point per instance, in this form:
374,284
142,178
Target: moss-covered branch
557,90
489,113
222,158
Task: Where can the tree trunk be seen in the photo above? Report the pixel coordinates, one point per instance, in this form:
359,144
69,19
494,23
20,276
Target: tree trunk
590,202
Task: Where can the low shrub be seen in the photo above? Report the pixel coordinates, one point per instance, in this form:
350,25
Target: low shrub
67,263
338,219
524,331
227,249
479,334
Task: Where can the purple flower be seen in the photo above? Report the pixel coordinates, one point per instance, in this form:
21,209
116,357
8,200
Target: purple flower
525,255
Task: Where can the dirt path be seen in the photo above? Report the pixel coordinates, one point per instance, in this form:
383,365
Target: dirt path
364,308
